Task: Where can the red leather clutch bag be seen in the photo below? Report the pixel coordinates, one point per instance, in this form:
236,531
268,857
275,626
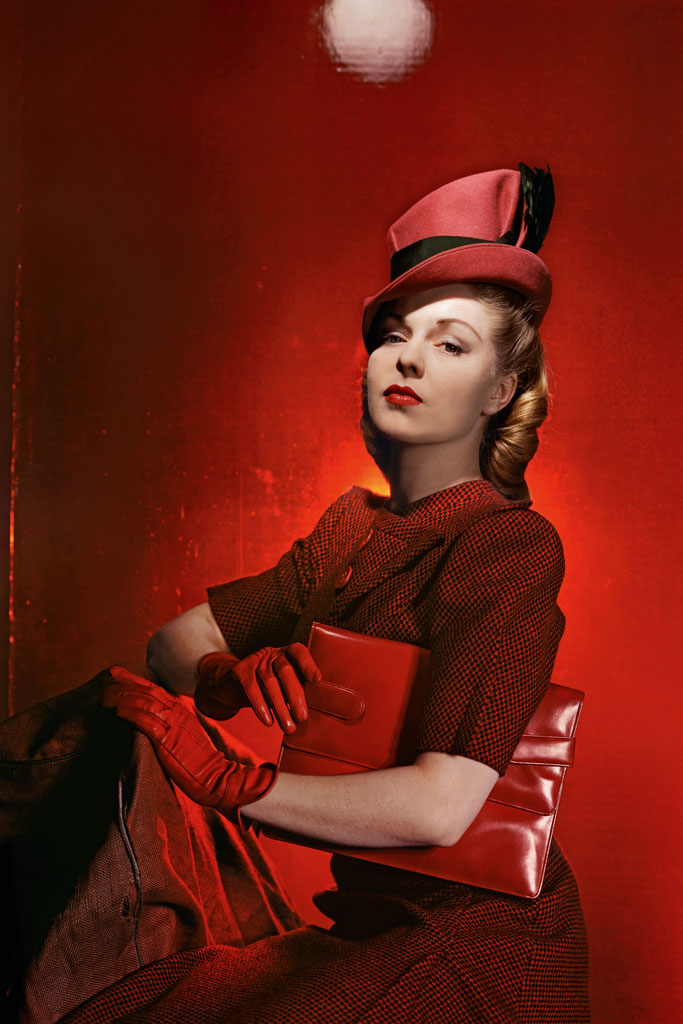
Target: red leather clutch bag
365,716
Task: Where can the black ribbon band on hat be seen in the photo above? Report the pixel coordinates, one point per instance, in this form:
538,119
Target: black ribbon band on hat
418,252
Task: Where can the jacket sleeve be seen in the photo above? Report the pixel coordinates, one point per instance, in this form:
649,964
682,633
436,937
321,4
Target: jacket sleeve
262,610
497,629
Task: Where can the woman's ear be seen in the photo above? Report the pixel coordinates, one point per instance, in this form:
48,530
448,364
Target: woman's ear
501,394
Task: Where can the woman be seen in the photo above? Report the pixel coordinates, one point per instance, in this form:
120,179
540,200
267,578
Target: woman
455,561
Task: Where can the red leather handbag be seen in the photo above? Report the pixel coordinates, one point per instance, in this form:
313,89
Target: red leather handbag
365,716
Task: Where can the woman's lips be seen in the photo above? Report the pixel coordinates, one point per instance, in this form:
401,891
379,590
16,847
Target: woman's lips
401,396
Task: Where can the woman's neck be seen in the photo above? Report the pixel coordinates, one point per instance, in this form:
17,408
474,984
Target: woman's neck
416,471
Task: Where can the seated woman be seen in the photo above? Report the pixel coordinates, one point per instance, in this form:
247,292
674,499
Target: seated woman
454,561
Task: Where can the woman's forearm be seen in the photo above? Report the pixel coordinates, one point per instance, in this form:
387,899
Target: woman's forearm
429,803
174,650
368,809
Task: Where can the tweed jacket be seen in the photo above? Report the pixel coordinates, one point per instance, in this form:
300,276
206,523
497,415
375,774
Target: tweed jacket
463,572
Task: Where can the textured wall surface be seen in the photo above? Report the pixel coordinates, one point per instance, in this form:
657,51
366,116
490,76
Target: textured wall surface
204,197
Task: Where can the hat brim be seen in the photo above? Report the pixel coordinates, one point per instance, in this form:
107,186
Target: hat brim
479,263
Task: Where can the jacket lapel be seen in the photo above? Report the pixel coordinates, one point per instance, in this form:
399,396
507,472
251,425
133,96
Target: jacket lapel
412,551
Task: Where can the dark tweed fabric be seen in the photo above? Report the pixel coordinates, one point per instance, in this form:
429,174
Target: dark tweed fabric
474,578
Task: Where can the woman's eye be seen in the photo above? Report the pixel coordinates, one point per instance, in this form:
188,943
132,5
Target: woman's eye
452,348
391,338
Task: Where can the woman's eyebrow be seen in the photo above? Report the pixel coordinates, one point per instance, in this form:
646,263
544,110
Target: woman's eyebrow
396,316
455,320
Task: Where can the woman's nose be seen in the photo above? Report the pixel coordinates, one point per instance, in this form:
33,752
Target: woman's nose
411,358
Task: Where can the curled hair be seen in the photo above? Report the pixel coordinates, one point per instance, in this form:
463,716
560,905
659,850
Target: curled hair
510,439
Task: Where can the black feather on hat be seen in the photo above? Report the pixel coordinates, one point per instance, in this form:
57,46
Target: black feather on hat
539,202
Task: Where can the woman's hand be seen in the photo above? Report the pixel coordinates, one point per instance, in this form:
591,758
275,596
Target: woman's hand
185,751
271,681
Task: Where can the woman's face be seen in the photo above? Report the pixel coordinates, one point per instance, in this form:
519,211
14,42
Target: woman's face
432,377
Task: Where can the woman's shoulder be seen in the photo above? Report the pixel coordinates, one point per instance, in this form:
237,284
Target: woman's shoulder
512,555
516,524
512,544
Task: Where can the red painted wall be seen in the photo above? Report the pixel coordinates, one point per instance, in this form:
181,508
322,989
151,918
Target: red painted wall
203,205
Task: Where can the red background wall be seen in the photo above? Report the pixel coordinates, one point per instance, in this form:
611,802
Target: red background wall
203,201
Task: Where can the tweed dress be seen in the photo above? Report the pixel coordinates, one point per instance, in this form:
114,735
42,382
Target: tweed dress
474,578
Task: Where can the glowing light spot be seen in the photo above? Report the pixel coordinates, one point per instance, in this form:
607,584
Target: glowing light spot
377,40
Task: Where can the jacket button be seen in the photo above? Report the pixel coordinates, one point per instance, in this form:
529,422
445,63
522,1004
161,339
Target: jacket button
343,577
366,538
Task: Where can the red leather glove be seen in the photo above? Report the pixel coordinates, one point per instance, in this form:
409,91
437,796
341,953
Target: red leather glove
270,681
185,751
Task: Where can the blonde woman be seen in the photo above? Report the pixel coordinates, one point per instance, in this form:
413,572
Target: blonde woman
455,560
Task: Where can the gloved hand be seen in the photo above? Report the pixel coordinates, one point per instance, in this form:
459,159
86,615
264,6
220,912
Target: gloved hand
270,680
185,751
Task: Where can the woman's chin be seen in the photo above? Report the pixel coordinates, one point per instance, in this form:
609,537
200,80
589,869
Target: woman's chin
395,427
403,438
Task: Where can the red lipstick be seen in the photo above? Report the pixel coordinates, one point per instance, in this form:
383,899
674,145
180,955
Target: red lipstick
401,396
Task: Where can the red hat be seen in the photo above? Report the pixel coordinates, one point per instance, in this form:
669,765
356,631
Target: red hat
486,228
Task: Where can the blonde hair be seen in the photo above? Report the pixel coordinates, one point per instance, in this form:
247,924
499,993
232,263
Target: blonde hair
510,439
